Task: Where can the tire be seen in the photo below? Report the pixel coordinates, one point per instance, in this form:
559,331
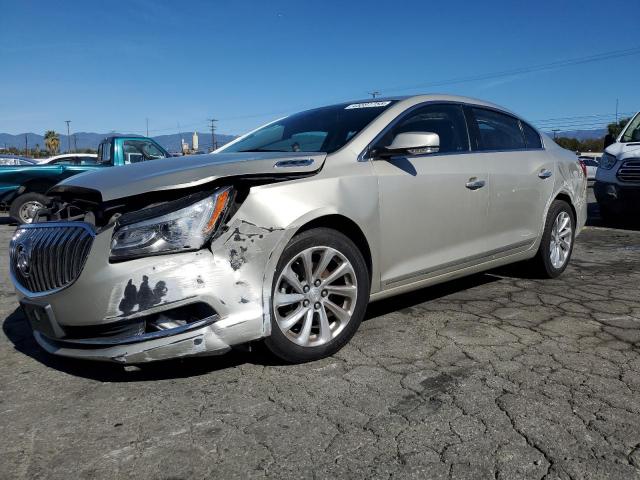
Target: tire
23,208
294,294
542,264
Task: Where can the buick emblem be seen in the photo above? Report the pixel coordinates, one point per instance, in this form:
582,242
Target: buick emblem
23,259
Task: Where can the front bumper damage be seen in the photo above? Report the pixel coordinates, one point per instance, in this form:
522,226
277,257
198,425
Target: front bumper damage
232,279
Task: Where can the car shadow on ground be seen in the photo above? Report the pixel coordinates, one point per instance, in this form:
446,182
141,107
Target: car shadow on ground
18,331
4,220
624,222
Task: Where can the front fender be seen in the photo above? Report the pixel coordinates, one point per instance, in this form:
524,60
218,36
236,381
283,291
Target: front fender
272,214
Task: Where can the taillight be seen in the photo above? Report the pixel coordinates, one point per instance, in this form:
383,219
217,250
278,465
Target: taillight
583,166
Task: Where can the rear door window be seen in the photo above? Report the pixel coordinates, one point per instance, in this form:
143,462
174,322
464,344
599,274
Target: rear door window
496,131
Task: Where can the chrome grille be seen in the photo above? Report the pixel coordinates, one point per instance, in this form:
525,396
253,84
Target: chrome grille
46,257
630,171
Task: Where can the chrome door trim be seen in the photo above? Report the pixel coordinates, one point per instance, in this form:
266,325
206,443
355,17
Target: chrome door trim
461,263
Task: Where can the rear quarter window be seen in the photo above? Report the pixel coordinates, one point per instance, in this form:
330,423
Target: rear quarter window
531,137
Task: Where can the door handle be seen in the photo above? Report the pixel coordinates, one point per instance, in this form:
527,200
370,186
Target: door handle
474,183
544,173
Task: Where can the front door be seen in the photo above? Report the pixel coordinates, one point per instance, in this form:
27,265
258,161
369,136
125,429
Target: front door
433,207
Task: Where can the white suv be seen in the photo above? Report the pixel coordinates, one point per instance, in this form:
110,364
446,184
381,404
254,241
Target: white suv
617,187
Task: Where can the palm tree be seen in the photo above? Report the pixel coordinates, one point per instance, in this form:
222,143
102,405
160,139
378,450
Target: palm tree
52,141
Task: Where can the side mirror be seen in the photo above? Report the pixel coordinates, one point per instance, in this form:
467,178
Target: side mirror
411,143
609,140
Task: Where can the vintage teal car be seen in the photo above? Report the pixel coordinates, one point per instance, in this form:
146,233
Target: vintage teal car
23,188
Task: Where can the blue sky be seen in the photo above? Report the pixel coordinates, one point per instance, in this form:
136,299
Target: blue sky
110,65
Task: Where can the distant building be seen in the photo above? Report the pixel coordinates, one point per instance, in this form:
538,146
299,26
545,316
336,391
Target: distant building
194,141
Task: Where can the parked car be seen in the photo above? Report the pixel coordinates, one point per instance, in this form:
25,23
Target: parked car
23,189
72,159
288,232
617,187
12,160
591,165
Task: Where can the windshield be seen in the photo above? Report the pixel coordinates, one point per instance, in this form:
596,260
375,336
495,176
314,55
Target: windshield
325,129
632,133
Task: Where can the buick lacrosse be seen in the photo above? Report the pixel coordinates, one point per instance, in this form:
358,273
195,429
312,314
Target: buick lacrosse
287,233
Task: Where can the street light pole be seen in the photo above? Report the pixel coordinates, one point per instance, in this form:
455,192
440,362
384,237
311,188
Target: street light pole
68,136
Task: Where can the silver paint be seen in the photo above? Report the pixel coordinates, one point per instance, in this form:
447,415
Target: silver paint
422,226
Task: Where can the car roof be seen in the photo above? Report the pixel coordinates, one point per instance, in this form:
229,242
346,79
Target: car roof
64,155
426,97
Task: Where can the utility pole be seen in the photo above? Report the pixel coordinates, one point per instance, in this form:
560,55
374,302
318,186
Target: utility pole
147,127
555,131
26,146
616,112
75,143
212,125
68,137
374,94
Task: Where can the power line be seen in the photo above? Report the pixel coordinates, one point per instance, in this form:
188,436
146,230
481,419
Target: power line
526,69
467,79
575,117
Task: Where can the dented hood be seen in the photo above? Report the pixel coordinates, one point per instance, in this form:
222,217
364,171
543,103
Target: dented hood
189,171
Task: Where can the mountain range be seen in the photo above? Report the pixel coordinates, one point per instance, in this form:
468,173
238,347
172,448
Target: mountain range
83,140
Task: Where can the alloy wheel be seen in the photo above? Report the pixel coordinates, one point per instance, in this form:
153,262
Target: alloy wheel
315,296
561,238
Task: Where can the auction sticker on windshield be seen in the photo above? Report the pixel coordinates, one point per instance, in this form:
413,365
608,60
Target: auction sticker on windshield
367,105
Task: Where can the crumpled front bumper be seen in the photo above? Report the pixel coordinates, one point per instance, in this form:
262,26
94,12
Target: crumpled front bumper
198,338
229,278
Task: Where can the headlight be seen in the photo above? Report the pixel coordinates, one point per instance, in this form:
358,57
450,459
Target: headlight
607,161
185,229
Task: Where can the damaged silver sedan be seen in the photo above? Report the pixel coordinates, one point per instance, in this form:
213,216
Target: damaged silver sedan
288,232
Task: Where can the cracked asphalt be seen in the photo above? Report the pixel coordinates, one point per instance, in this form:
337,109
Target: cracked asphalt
493,376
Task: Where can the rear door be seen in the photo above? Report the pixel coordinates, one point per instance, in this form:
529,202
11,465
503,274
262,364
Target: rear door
520,178
433,207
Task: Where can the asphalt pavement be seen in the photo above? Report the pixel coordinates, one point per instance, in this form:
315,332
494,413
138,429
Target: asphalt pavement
492,376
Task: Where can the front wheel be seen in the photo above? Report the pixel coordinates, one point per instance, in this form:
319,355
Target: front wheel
319,296
25,208
556,245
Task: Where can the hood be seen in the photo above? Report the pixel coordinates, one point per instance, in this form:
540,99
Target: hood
189,171
624,150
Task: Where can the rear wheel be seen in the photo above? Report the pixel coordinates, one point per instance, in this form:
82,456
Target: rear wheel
320,293
556,245
25,207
